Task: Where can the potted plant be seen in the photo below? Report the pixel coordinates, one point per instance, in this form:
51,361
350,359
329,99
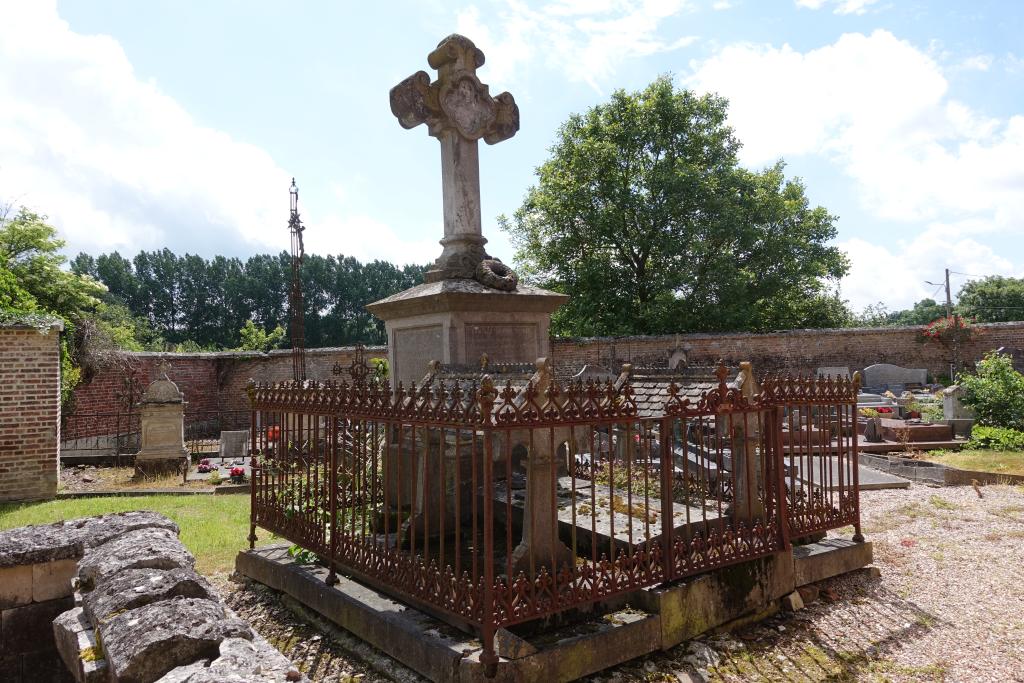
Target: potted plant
914,410
204,466
237,475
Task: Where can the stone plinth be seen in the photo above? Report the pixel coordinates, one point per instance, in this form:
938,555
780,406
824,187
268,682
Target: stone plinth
163,430
456,321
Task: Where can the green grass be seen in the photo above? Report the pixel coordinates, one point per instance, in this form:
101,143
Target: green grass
999,462
214,528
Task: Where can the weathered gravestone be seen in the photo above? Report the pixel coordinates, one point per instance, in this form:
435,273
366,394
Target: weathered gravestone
1016,356
162,411
234,446
955,413
883,377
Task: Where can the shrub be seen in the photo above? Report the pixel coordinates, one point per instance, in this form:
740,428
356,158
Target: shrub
995,393
868,412
933,412
996,439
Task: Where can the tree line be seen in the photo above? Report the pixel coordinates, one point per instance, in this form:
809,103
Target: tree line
189,302
992,299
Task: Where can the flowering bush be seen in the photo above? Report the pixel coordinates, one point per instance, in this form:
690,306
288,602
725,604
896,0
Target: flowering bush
884,410
995,393
944,328
204,466
237,472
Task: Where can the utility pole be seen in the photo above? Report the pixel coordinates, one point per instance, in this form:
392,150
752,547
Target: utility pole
955,367
298,327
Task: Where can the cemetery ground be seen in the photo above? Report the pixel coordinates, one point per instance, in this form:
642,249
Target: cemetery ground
947,606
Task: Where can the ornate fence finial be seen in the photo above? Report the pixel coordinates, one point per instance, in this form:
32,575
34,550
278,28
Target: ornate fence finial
485,396
722,373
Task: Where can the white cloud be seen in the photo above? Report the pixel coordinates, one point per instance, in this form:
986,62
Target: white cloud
118,164
585,40
977,63
880,110
840,6
896,274
721,5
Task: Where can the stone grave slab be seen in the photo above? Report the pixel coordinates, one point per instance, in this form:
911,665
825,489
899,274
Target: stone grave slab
823,470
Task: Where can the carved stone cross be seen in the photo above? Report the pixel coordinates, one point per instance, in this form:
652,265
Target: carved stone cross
458,110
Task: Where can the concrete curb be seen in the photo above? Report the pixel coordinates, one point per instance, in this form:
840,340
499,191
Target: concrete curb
224,490
925,472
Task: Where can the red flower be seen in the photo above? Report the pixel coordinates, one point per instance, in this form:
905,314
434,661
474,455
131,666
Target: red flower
237,472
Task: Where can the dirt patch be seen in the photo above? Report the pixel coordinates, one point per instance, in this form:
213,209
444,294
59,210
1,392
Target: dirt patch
85,478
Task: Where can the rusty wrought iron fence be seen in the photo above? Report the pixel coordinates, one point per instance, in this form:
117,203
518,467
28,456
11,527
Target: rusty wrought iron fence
489,506
817,430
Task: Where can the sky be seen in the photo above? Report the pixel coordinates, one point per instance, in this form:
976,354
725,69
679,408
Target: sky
139,125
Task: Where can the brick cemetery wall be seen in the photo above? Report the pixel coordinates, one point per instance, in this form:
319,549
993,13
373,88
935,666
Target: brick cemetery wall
213,383
216,381
795,350
29,411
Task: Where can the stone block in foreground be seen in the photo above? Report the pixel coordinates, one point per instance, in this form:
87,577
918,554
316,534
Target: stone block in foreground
143,644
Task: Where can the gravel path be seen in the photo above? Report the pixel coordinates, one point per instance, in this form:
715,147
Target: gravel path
949,606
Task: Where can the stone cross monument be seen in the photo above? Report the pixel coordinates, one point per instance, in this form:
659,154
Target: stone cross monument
458,110
470,303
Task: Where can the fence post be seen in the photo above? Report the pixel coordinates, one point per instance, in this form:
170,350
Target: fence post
667,511
252,470
778,461
858,535
332,491
489,658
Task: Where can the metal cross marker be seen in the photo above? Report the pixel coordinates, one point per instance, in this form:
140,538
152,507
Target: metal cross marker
458,110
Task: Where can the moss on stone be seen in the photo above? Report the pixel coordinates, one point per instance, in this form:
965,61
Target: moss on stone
92,654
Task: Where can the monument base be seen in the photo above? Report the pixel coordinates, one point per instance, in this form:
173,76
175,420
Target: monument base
457,321
151,466
657,618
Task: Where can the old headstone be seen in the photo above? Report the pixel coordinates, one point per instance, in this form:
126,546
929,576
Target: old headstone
162,411
470,303
955,413
883,377
234,445
1016,356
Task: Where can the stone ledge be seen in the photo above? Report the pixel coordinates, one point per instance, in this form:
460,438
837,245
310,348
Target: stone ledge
69,540
830,557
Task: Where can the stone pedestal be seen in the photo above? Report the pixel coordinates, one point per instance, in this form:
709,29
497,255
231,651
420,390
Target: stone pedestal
456,321
163,430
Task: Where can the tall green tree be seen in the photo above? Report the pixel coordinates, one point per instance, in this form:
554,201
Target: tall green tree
33,280
644,216
33,277
188,302
992,299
